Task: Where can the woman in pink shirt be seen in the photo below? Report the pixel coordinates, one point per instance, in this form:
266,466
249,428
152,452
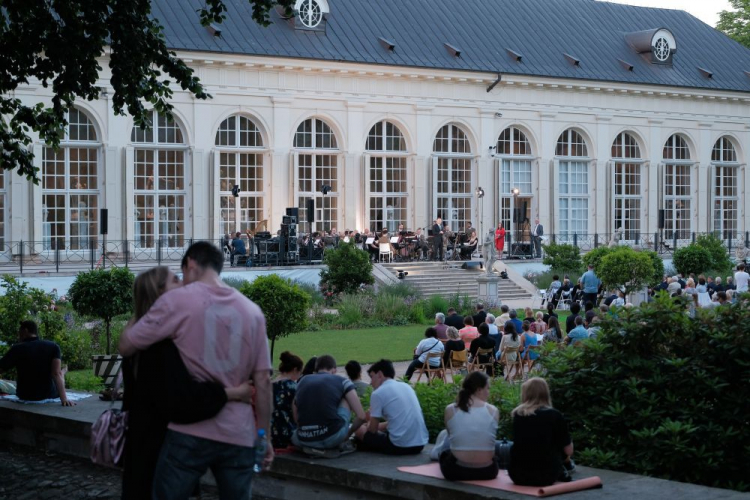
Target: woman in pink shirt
469,332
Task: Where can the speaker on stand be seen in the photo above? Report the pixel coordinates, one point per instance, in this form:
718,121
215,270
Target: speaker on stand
310,209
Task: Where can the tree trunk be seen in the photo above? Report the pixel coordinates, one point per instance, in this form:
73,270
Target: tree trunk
273,341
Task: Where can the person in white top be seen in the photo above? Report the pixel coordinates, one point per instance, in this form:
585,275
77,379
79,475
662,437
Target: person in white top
404,431
430,344
741,279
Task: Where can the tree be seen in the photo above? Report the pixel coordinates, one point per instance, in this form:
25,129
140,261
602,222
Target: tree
562,258
58,43
20,302
719,256
736,23
283,303
347,268
595,256
625,269
692,259
658,265
103,294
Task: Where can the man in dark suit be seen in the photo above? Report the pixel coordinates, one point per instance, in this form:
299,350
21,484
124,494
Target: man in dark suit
454,319
536,237
437,240
481,315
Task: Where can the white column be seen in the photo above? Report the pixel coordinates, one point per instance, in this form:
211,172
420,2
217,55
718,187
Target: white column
650,179
279,182
487,166
353,196
420,198
350,197
199,203
112,194
214,202
29,212
704,148
600,198
128,203
546,152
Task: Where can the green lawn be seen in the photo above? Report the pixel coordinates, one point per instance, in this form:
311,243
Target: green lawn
396,343
83,380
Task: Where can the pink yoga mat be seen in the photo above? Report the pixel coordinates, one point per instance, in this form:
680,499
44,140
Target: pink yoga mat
503,482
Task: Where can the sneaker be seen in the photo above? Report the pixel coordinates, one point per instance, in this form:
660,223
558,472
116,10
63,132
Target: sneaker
347,447
319,453
570,466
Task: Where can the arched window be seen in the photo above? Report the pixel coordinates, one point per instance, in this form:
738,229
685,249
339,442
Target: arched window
626,187
317,166
240,160
573,185
725,192
677,174
159,184
514,151
387,174
452,177
70,187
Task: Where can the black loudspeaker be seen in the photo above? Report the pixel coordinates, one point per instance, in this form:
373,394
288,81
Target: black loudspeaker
293,212
103,221
288,219
310,207
661,218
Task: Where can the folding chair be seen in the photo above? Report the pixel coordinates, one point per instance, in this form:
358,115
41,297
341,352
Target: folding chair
385,251
565,300
477,365
509,365
433,372
458,361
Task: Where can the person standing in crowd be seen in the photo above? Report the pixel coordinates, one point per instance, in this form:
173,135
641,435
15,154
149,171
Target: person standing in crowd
741,279
542,446
38,365
437,239
500,240
196,316
536,236
480,315
403,430
590,284
284,391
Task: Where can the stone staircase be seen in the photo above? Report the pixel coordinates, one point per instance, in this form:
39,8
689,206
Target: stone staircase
432,279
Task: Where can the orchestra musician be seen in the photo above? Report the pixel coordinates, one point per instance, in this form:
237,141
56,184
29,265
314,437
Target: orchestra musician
468,248
420,245
402,243
448,235
373,248
437,240
384,238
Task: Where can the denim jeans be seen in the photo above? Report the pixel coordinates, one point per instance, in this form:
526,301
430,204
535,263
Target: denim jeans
184,459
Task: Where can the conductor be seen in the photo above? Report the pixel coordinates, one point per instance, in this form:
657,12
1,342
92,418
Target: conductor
437,239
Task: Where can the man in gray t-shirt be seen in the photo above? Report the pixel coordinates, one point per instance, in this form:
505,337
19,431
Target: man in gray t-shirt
323,406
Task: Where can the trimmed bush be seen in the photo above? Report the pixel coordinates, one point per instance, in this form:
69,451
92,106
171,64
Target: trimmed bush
562,258
595,256
719,256
347,269
658,265
625,269
692,259
657,392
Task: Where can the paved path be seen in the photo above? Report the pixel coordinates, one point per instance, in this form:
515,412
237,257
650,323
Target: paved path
28,474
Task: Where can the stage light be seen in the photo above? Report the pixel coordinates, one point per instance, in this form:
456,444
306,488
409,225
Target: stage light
480,192
402,274
325,188
236,191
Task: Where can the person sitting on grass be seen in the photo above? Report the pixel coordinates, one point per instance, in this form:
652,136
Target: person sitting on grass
542,446
284,391
454,343
467,449
38,365
323,407
428,345
468,332
403,431
354,372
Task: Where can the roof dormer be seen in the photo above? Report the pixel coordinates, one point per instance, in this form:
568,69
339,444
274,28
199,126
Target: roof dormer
311,14
659,43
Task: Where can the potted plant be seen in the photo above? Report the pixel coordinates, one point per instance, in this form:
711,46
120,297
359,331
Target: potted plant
103,294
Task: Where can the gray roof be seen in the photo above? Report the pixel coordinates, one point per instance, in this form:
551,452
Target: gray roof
540,30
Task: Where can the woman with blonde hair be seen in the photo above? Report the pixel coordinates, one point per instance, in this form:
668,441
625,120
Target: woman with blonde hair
454,343
542,445
160,390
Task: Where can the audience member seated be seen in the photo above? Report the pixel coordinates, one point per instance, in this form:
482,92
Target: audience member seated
238,248
539,326
440,326
430,344
528,339
454,319
403,431
38,365
482,342
553,332
550,313
467,448
517,323
552,290
563,292
542,446
454,343
570,322
480,316
578,333
504,317
468,332
354,372
323,406
284,390
511,339
495,333
529,315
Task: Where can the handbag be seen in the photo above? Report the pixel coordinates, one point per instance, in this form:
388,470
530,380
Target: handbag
503,453
108,434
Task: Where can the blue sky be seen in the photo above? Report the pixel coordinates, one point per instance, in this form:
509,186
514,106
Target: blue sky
705,10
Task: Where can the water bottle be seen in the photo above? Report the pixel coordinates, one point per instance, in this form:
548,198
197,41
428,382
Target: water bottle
260,450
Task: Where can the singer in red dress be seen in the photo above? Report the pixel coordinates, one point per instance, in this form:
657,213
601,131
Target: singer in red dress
499,240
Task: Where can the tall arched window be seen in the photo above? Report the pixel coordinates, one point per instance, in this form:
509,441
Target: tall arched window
159,184
677,173
70,187
571,155
724,180
452,177
240,160
316,166
387,176
626,187
515,157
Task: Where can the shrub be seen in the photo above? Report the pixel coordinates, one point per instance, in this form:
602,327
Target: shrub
400,289
103,294
353,308
20,302
347,268
658,265
84,381
75,346
625,269
656,391
391,309
562,258
234,281
692,259
719,256
283,303
543,280
595,256
434,305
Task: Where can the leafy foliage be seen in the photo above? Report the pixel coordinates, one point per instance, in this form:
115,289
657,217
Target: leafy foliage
719,256
735,23
562,258
58,43
595,256
692,259
658,265
347,268
103,294
283,303
625,269
657,390
20,302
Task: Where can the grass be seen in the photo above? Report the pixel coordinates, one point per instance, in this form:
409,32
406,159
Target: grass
83,380
396,343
